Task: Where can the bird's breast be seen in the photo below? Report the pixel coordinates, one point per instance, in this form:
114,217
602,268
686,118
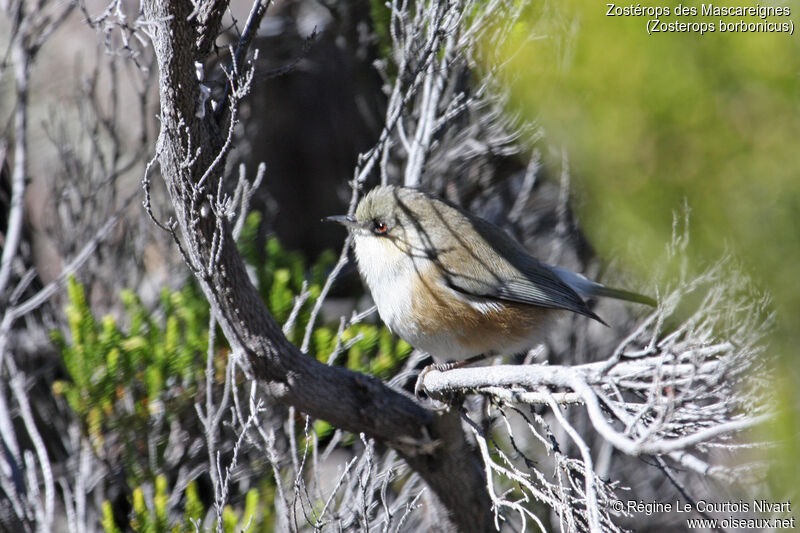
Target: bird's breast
388,273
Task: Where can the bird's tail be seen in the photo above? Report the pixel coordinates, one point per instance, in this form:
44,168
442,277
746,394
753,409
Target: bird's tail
586,287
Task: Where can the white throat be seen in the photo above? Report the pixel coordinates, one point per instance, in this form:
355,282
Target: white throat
389,274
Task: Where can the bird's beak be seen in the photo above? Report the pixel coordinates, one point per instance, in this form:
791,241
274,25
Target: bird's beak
344,220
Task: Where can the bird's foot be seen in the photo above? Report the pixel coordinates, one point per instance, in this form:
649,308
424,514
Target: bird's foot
419,386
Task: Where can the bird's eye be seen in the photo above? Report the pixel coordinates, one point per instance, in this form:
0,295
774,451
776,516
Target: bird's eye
379,227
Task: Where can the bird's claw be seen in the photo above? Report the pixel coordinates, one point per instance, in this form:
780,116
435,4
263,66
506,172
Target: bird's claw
419,386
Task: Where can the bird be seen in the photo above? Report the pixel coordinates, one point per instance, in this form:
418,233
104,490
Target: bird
455,285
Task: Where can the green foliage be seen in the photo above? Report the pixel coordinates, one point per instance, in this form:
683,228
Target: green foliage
109,526
150,515
381,16
372,349
193,509
280,274
154,366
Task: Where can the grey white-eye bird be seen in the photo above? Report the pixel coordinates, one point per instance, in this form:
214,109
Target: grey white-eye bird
454,285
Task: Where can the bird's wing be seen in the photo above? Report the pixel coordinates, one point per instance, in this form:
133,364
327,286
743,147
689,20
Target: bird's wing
535,286
507,272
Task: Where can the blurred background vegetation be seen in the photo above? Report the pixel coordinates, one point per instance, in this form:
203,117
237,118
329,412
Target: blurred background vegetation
651,121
